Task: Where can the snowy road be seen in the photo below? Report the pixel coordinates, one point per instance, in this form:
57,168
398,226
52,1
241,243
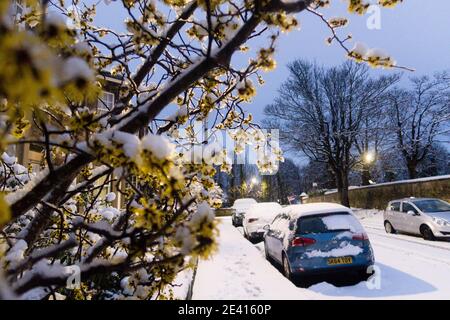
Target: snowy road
410,268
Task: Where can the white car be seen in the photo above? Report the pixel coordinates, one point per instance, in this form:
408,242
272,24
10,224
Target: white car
257,216
427,217
240,207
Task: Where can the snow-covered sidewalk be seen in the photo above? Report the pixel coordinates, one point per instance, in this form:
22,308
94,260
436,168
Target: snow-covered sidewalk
239,271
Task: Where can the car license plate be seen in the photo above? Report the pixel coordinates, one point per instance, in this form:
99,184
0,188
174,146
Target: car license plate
340,260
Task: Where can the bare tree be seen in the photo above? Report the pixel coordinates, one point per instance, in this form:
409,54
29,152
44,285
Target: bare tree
321,112
418,117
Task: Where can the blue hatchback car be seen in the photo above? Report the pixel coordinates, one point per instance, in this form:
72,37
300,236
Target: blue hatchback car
319,239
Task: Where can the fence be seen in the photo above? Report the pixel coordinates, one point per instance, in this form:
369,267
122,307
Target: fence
377,196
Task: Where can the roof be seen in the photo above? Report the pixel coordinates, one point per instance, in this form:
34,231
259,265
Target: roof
245,200
411,199
308,209
106,75
243,203
265,208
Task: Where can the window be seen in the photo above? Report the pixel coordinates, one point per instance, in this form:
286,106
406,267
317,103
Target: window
17,9
334,222
408,207
36,147
395,206
275,219
283,225
106,102
432,205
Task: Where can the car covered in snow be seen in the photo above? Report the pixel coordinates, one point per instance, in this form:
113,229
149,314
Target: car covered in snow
240,207
257,216
319,239
427,217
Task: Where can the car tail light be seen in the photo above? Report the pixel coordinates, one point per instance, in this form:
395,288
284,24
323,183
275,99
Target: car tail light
302,242
252,220
360,236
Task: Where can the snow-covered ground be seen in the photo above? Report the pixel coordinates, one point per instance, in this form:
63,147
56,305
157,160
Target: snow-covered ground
409,268
239,271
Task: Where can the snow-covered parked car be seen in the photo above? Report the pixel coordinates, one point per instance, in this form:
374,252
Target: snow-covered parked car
240,207
319,239
427,217
257,216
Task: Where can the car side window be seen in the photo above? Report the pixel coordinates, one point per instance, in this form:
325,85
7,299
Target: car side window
395,206
283,225
408,207
275,222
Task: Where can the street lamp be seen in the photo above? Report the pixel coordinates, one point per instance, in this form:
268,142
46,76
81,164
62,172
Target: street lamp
254,180
369,157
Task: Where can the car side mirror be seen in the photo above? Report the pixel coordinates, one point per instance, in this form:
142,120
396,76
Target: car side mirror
412,213
266,227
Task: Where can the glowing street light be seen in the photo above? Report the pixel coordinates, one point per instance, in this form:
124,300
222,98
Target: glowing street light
369,157
254,180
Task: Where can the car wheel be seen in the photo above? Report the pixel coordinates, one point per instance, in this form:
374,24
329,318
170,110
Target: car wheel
389,228
427,233
286,268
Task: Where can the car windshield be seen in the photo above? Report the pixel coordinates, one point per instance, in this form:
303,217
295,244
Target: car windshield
432,205
335,222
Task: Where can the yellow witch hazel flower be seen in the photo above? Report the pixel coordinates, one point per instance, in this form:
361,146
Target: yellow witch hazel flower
5,212
148,215
359,51
282,20
389,3
203,224
21,125
338,22
176,3
212,3
376,58
358,6
246,90
266,60
206,104
321,3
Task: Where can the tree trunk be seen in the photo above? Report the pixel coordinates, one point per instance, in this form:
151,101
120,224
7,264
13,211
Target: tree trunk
365,176
412,169
342,186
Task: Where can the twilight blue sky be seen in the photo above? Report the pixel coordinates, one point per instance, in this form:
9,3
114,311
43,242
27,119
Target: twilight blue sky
416,33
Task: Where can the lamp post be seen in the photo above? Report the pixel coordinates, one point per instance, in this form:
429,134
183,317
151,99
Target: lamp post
368,158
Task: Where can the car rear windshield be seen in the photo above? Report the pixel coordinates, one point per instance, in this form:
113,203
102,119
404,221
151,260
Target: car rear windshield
334,222
432,205
243,204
